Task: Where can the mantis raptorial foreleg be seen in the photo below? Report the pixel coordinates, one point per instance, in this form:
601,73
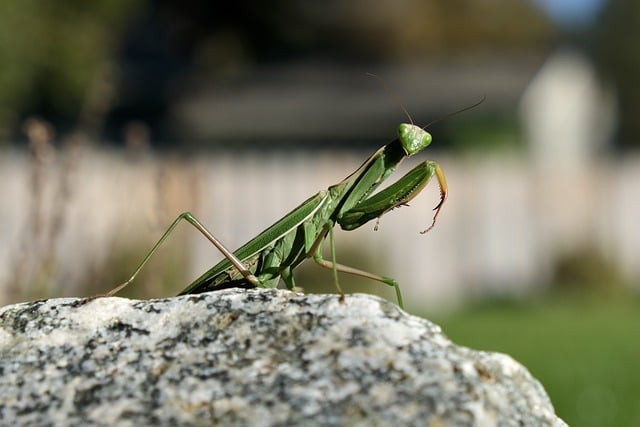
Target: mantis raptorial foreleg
395,195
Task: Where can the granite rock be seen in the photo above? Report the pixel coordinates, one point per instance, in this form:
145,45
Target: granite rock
251,358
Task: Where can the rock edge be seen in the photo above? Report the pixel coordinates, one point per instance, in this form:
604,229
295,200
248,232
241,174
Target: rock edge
251,357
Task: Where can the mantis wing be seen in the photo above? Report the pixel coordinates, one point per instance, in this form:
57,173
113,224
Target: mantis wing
218,274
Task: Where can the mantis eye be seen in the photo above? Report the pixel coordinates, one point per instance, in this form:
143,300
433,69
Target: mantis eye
413,138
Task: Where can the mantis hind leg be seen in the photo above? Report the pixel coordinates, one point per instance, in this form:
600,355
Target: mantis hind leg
336,267
187,216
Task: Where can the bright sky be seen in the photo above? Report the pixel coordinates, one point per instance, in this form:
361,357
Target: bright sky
572,12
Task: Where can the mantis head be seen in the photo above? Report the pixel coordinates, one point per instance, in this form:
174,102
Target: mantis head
413,138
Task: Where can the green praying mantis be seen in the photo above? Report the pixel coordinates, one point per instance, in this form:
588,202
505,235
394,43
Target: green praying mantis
274,253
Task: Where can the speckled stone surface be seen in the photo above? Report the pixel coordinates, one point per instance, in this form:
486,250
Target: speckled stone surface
250,358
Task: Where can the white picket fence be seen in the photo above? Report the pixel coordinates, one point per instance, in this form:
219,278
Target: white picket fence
499,232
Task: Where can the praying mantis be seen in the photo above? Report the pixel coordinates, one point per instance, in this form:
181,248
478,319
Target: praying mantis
275,252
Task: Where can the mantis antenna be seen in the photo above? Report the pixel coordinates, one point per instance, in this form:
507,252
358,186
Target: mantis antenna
446,116
391,93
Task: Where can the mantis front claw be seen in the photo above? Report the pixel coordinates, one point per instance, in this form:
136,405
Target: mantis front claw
443,194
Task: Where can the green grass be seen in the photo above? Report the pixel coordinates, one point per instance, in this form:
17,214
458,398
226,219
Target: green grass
585,352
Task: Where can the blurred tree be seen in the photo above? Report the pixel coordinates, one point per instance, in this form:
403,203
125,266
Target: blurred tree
58,57
53,54
613,43
358,29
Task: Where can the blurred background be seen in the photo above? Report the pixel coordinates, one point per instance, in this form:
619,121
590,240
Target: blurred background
116,116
